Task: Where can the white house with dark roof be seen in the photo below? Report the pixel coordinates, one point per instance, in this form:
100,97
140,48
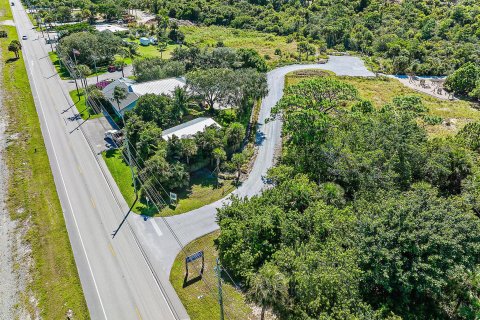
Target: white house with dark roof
136,90
190,128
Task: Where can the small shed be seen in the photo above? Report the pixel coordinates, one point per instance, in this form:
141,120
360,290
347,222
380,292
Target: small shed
144,41
189,129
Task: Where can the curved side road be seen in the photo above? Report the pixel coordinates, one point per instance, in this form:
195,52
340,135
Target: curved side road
156,234
117,279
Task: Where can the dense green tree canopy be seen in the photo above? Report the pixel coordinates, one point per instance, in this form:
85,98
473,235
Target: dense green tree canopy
90,47
464,80
367,218
417,250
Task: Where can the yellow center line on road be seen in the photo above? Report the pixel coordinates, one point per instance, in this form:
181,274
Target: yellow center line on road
110,247
93,203
138,313
80,169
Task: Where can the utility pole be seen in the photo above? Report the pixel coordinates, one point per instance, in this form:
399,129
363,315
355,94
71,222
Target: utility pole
218,270
95,64
75,70
129,154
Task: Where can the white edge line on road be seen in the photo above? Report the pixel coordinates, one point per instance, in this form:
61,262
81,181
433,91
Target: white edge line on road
155,226
63,182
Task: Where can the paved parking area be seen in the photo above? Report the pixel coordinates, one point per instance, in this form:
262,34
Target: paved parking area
95,132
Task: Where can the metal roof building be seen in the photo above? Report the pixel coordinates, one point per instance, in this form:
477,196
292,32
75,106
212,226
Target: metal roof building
189,128
164,86
136,90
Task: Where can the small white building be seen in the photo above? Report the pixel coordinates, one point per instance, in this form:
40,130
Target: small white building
110,27
189,129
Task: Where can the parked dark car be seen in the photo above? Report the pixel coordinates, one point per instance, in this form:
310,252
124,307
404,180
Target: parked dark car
111,68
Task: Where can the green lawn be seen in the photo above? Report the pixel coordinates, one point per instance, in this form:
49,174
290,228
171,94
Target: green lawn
79,101
200,301
33,200
382,90
151,51
202,189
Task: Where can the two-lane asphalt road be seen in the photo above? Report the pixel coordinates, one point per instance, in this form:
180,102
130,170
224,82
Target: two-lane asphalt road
117,280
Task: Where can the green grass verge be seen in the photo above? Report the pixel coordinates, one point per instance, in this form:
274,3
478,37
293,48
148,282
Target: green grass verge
382,90
5,12
201,191
61,70
79,101
201,302
122,175
33,200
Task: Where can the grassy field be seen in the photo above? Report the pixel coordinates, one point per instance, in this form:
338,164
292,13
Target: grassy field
202,189
199,296
83,110
209,36
381,91
264,43
33,199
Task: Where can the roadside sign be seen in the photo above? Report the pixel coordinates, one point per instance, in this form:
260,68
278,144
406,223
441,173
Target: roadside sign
193,257
173,198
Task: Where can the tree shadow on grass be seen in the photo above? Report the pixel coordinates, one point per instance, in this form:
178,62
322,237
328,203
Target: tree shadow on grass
10,60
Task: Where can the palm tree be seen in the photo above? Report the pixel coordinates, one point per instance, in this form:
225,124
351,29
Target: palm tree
181,101
119,94
190,148
15,47
124,53
219,154
162,41
84,71
162,47
269,288
238,159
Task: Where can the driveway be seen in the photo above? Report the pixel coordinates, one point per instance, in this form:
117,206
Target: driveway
163,238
